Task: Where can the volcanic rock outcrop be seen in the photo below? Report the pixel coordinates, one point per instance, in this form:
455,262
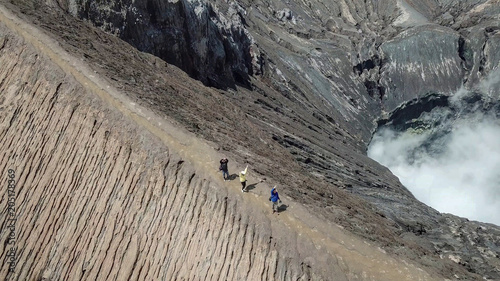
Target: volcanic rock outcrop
298,89
215,49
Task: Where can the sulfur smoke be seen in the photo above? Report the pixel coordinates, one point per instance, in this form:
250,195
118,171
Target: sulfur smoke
450,160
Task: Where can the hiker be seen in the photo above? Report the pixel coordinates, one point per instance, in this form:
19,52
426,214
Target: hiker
243,179
223,168
275,198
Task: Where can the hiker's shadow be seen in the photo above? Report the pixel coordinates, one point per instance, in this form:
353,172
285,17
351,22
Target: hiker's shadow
282,208
251,186
232,177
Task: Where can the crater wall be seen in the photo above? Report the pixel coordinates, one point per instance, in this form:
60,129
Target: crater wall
99,195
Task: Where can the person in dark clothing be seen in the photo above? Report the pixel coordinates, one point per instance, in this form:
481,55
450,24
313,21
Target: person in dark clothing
224,169
275,198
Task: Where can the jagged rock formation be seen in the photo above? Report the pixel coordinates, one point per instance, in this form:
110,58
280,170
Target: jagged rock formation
323,73
215,49
399,50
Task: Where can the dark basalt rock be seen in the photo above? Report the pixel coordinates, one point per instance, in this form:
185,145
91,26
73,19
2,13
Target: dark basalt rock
214,49
400,119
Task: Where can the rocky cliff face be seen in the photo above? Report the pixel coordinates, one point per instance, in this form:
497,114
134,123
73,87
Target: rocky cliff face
212,47
339,51
318,75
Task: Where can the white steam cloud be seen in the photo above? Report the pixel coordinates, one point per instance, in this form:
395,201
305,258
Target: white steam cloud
491,84
459,173
463,180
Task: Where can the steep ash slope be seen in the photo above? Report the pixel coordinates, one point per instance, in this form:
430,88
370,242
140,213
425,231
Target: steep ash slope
101,198
108,190
328,71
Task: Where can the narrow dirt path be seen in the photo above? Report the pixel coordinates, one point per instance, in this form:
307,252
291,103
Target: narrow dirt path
358,259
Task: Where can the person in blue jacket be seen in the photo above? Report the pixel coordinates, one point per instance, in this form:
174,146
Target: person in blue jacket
275,198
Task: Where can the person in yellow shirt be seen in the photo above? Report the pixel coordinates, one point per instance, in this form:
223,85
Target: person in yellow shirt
243,179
